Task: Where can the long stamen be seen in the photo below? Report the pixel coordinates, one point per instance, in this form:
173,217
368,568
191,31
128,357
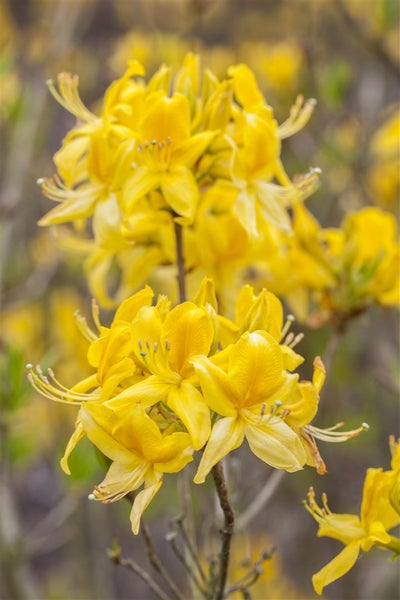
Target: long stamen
331,435
68,96
56,392
84,327
300,114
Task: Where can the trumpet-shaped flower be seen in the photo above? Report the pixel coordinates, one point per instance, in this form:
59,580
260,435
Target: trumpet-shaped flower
166,153
140,453
360,533
244,395
163,351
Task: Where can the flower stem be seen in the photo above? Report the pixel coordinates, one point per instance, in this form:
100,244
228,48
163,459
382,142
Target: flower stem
393,545
227,530
180,262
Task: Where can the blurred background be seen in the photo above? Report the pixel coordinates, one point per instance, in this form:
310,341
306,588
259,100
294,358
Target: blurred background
344,53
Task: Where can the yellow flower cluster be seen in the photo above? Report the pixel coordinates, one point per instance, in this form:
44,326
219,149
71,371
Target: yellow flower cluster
169,381
188,150
380,512
333,274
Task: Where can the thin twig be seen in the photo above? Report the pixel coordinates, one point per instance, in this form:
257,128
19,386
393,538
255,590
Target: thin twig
227,530
157,564
191,549
261,499
186,560
185,494
333,345
180,262
130,564
252,574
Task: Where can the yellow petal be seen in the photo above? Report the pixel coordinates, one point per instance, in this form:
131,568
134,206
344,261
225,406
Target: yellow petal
276,444
180,191
78,434
138,184
226,435
246,89
189,331
143,499
255,367
148,392
128,309
337,567
187,402
96,421
168,118
216,387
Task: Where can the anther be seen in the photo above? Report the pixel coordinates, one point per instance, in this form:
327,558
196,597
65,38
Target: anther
365,426
40,180
91,497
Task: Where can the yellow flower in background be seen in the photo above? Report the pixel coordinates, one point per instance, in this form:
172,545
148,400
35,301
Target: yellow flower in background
378,516
334,274
384,173
139,451
184,148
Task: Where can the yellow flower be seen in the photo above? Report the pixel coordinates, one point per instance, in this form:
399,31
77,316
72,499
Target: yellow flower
165,154
139,451
377,517
163,350
384,173
334,274
244,395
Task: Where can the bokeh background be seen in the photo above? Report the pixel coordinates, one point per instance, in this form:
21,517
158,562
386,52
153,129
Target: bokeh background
344,53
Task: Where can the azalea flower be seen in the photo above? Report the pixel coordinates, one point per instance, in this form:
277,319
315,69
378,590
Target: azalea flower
140,453
244,394
379,514
163,350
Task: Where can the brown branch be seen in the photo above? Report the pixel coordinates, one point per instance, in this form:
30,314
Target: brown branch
180,262
157,564
227,530
130,564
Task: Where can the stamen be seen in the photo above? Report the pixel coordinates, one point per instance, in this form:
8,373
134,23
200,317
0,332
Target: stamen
67,95
299,115
296,340
84,327
54,390
95,314
331,435
289,320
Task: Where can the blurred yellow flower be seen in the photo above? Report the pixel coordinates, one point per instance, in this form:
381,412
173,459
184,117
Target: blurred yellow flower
360,533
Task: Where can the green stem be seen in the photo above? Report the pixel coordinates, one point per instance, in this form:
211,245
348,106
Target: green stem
393,545
227,530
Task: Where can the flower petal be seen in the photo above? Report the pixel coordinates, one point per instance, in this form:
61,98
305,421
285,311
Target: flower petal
276,444
143,499
226,435
337,567
187,402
